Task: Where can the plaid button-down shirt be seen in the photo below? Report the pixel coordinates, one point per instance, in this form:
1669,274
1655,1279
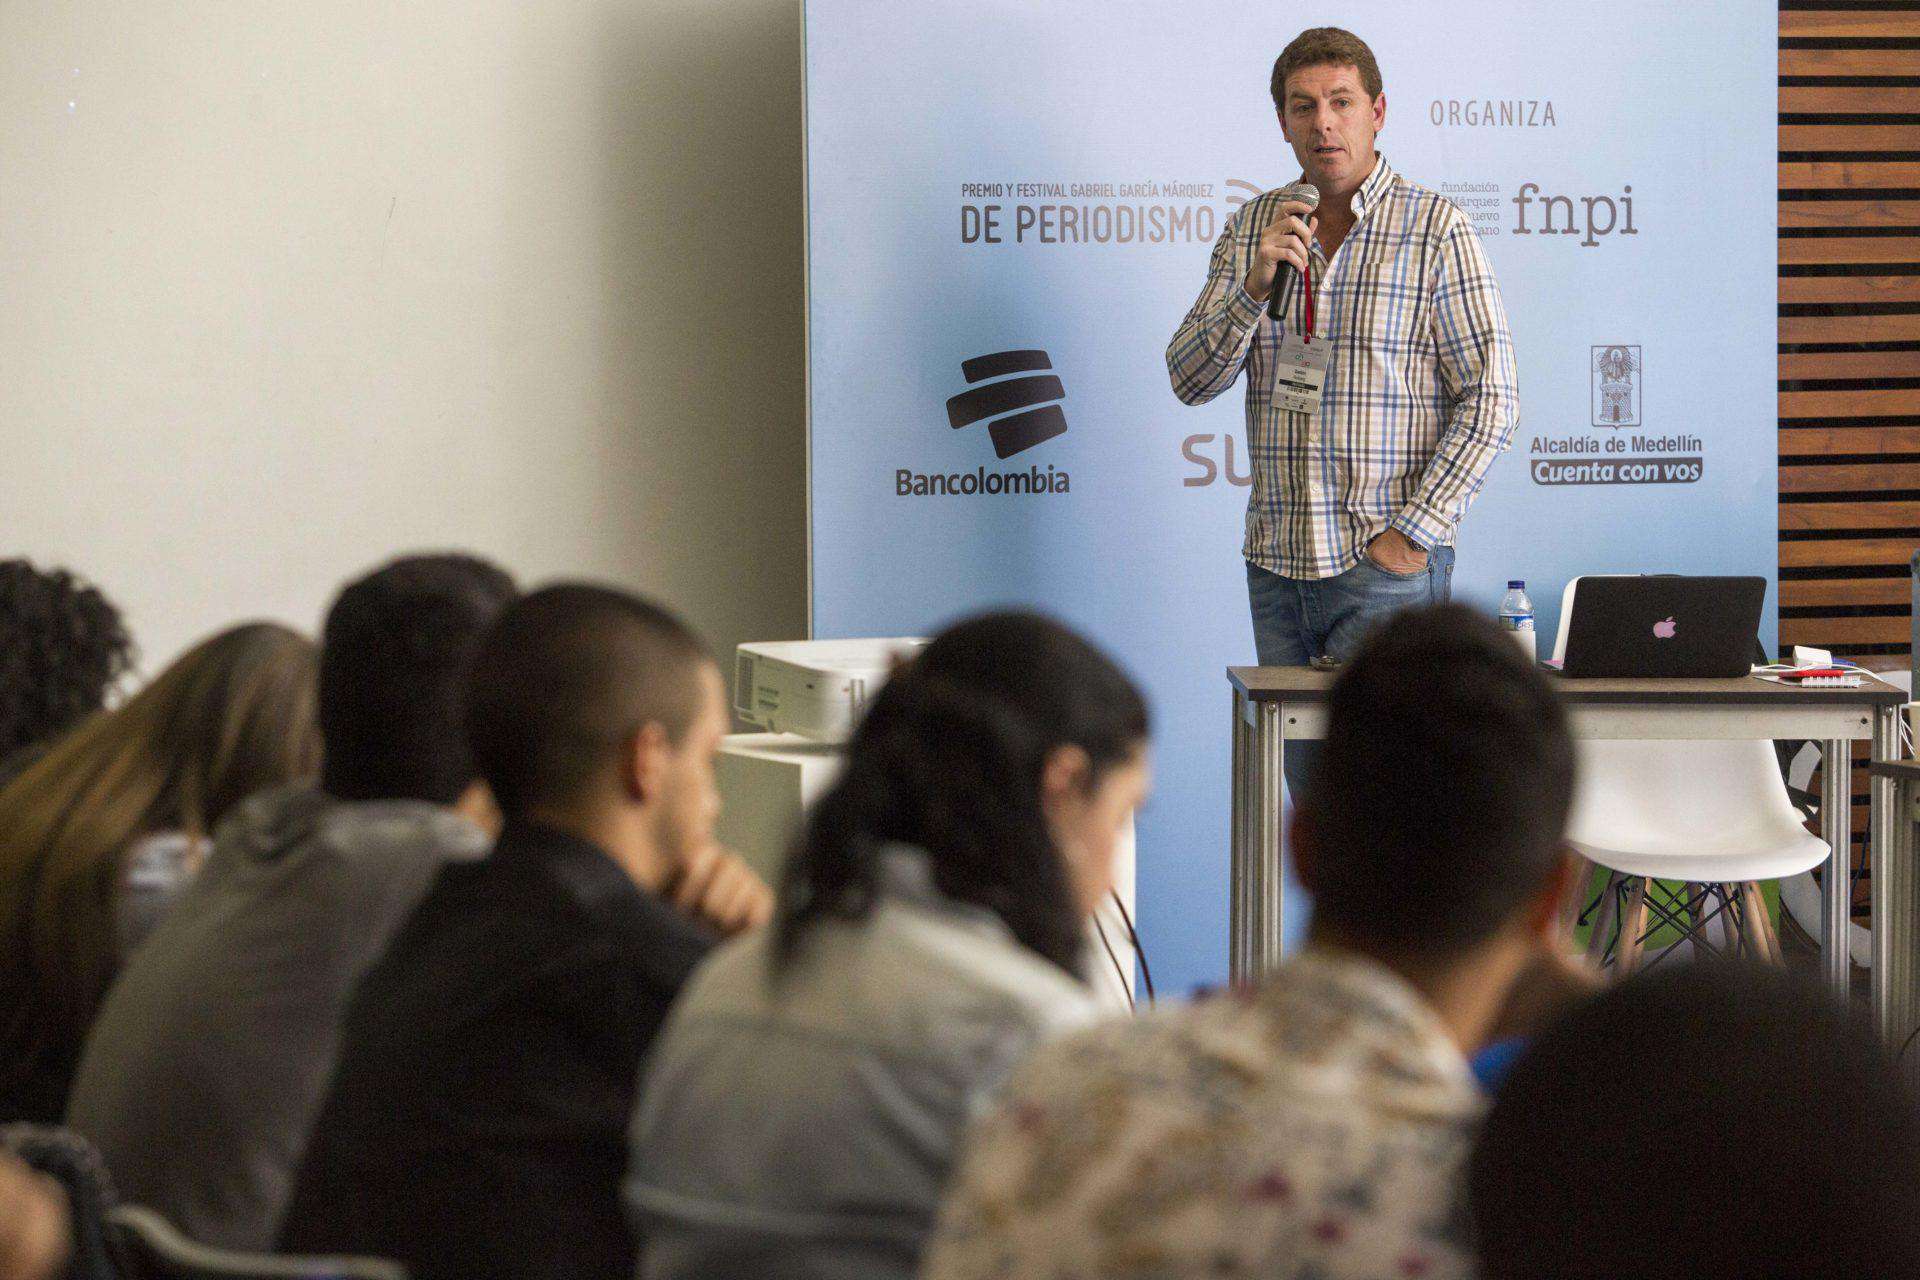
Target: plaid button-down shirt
1420,394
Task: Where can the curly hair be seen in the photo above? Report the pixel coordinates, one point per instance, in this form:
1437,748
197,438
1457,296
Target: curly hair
63,647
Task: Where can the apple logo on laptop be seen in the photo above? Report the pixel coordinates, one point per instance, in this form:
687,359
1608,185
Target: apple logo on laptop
1663,630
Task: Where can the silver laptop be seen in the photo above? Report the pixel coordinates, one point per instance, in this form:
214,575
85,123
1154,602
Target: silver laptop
1663,626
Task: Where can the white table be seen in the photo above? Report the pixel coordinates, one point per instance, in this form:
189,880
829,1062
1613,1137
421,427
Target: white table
1275,705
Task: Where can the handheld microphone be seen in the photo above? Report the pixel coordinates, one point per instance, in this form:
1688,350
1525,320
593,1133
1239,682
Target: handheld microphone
1308,194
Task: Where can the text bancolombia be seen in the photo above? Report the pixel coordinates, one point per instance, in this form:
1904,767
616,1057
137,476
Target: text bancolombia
916,484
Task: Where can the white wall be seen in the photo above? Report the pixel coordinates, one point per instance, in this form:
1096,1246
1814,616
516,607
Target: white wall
288,288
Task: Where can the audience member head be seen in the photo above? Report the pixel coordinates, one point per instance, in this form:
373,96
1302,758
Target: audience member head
232,716
1701,1120
1433,825
599,713
62,649
394,656
1012,751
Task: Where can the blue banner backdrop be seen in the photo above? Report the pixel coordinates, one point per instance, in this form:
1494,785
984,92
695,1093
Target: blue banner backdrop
1010,208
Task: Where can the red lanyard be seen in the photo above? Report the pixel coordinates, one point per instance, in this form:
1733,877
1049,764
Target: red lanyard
1306,282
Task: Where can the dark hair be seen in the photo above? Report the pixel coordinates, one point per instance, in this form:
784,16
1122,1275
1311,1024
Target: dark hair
393,667
62,649
563,677
949,759
1740,1122
1324,47
1440,798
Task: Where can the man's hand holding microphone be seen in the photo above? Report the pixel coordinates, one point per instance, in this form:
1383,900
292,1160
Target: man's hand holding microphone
1284,244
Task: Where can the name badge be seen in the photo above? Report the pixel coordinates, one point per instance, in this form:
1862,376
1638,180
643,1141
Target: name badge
1300,373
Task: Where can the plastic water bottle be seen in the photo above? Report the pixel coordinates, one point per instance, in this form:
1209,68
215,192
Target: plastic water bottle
1516,616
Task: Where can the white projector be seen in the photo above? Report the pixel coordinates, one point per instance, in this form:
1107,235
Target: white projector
814,688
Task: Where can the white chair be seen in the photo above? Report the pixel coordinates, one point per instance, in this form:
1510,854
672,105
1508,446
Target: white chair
1800,896
1714,816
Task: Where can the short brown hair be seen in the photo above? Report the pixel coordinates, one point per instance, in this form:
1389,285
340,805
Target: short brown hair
563,677
1320,47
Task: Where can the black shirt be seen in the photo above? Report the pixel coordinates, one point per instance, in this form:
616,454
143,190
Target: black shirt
476,1125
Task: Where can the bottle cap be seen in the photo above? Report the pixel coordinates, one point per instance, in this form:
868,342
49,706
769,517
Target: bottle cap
1519,583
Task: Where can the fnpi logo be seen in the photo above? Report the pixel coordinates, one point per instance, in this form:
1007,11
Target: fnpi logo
1616,386
1035,398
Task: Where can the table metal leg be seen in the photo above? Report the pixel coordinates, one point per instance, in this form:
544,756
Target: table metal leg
1896,929
1836,890
1239,935
1270,749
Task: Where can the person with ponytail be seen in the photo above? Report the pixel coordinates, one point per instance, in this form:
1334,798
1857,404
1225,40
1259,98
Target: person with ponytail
103,831
801,1110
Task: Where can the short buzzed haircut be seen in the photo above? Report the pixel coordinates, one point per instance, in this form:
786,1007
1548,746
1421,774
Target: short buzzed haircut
564,677
1440,799
1325,47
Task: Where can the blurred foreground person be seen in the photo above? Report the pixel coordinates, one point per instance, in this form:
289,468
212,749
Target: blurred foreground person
211,1055
63,648
35,1235
1316,1124
476,1124
802,1109
103,831
1708,1120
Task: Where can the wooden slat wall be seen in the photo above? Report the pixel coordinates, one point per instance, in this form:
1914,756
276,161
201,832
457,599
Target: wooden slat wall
1849,324
1849,331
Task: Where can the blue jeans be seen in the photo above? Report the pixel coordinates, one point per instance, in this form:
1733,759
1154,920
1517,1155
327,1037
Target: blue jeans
1296,620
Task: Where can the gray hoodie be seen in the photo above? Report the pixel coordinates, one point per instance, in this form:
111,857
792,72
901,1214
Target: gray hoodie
212,1053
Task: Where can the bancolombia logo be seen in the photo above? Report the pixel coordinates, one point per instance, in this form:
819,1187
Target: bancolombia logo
1020,413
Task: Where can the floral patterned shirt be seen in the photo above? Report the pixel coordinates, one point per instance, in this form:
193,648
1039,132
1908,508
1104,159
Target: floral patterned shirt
1312,1129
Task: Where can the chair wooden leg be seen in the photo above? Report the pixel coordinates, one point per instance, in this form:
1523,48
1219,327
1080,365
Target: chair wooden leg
1603,919
1633,923
1698,904
1764,944
1730,918
1760,941
1769,928
1743,942
1576,896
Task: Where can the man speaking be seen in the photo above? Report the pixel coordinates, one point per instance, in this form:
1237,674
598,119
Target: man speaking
1380,395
